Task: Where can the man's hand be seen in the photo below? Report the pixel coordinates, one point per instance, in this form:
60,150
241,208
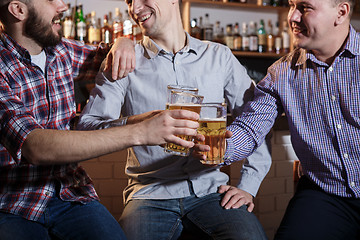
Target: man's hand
199,149
142,117
165,126
235,198
121,58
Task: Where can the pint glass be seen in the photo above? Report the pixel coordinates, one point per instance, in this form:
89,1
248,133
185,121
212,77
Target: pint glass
213,126
186,101
179,88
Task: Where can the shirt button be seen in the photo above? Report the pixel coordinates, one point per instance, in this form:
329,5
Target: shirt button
47,193
333,98
331,69
338,126
352,184
346,156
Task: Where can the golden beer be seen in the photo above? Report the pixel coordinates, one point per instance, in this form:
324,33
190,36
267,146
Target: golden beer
171,147
214,132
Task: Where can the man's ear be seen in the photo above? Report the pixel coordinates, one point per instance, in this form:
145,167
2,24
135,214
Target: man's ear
343,12
18,10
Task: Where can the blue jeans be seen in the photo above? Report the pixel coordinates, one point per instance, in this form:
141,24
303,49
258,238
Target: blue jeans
63,220
203,217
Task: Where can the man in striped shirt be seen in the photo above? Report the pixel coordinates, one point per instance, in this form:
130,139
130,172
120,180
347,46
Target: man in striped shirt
317,86
44,193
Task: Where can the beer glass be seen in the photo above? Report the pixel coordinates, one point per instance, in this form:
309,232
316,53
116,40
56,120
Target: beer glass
186,101
179,88
213,126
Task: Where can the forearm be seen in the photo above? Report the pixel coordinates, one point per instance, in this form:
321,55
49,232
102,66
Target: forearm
45,146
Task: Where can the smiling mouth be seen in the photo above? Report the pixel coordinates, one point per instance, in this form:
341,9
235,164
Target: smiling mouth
56,21
144,18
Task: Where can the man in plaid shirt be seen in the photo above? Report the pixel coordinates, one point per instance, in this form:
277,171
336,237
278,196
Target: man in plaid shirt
43,192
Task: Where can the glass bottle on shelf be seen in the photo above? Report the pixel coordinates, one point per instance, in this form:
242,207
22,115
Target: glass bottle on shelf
218,33
208,28
137,34
127,29
270,37
245,37
285,38
106,31
266,2
262,37
80,24
237,37
195,30
276,3
229,37
94,34
253,37
117,24
68,24
278,39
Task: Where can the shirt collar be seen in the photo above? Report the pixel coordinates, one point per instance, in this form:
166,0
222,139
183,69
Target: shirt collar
22,53
352,46
12,46
154,49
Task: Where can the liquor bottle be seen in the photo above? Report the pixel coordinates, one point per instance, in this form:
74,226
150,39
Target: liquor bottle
245,37
106,30
127,31
243,1
201,26
218,33
117,25
68,24
270,37
137,34
276,3
253,37
94,30
285,38
195,30
229,37
208,28
278,39
80,24
262,37
266,2
237,37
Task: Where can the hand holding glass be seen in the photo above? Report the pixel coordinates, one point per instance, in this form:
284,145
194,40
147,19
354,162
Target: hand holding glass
186,101
213,126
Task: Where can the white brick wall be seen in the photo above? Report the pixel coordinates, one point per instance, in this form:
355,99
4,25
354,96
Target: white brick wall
270,204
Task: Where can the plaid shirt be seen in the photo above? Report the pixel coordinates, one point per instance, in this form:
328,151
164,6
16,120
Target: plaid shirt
321,103
31,99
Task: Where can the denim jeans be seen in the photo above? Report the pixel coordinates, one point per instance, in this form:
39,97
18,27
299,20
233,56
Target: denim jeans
63,220
203,217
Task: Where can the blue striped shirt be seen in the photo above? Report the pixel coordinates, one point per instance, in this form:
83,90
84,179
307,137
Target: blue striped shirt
322,104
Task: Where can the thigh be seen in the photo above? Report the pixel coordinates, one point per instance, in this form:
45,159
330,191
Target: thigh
151,219
220,223
91,221
14,227
314,214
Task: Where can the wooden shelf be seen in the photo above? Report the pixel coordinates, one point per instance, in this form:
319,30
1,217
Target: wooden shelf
257,54
232,5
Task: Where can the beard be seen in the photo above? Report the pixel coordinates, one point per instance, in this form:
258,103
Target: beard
40,31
